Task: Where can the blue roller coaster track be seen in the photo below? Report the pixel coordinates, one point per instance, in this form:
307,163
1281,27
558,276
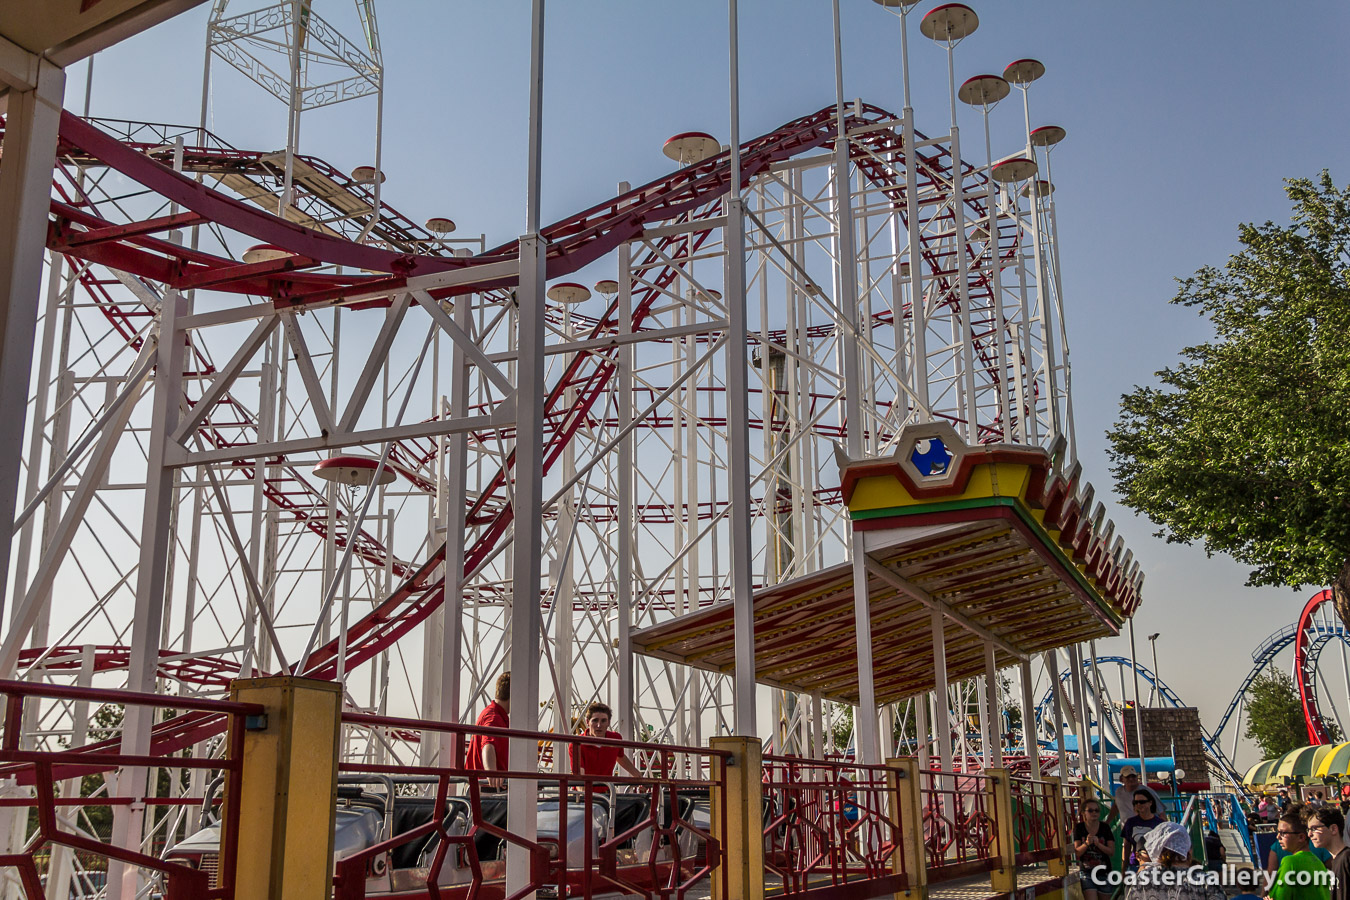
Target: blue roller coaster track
1322,631
1168,696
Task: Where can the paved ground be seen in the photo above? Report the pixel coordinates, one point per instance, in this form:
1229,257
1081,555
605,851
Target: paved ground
979,887
974,887
1235,852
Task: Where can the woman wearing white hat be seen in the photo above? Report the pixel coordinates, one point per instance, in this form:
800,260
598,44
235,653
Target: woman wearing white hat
1171,873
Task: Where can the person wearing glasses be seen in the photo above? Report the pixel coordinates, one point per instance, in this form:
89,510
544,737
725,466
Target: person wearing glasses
1299,864
1327,830
1137,826
1093,845
1292,837
1122,803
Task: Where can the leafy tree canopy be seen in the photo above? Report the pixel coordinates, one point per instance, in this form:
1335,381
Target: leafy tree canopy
1275,715
1246,446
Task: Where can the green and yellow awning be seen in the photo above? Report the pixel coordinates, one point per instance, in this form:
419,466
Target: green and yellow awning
1336,762
1260,774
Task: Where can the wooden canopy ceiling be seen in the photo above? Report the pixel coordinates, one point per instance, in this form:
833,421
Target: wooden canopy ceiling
1001,544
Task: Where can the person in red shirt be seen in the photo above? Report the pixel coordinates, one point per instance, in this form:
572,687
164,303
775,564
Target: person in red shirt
589,759
490,753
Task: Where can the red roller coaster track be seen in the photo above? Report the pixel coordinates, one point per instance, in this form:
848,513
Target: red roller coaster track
1305,668
688,194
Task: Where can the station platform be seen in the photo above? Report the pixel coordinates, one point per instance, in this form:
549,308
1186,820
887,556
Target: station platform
1032,881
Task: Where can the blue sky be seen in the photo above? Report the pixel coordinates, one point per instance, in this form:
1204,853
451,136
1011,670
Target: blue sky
1182,117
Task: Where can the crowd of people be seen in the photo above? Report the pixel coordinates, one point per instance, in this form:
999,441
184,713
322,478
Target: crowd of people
1310,834
1269,807
1310,845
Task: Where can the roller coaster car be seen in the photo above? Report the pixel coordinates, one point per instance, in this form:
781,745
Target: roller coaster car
369,817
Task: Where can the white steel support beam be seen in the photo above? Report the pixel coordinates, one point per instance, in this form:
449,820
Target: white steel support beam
304,364
18,67
708,326
818,743
379,353
1047,334
738,413
37,592
991,243
1057,710
563,580
395,432
1080,709
527,500
456,456
942,724
465,344
1029,735
625,710
993,744
156,542
1106,717
923,733
40,435
869,739
526,559
225,378
846,300
31,124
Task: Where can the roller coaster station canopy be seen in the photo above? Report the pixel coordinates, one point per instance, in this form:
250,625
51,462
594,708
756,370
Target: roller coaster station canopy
995,538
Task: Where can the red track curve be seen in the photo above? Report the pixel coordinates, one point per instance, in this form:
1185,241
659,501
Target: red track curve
1305,670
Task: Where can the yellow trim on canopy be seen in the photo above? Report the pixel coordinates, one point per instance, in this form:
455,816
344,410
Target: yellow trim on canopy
1323,753
1337,762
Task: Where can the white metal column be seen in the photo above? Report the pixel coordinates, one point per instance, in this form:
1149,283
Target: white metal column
31,124
1080,709
993,752
150,583
738,415
625,709
1057,710
1029,735
522,798
942,720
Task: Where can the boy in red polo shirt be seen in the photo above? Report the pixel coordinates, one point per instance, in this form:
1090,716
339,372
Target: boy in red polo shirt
490,753
592,760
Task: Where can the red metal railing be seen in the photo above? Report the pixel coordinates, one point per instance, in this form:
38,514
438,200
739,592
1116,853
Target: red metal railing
960,835
651,835
46,767
1040,822
831,823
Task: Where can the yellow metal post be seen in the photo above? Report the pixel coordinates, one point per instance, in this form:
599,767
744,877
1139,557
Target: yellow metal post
1059,867
288,792
1004,878
740,805
910,857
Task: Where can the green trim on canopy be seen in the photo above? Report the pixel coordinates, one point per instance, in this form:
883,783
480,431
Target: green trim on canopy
1296,763
1260,773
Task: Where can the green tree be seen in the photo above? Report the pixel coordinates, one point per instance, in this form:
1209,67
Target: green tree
1275,715
1246,446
